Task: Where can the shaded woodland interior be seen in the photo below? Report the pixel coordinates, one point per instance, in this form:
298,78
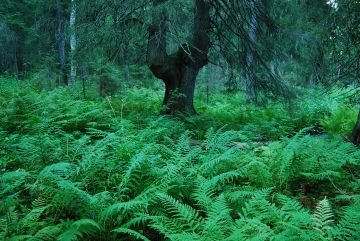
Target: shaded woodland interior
194,120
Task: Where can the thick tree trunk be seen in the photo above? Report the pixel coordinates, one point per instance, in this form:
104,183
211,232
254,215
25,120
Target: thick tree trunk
179,70
60,37
179,92
73,42
355,137
250,83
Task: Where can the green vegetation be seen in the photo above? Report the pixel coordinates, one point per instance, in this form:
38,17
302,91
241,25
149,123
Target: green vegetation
113,169
179,120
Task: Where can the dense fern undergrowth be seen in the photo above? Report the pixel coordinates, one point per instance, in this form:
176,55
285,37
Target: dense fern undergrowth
113,169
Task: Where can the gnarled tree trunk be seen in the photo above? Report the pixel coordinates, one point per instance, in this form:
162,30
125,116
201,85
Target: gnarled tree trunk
355,137
179,70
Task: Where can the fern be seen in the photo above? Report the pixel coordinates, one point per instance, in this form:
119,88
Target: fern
188,216
32,219
130,175
47,233
348,227
323,217
79,229
74,169
218,221
131,233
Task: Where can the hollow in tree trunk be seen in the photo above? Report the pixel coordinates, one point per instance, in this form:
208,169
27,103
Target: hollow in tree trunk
179,70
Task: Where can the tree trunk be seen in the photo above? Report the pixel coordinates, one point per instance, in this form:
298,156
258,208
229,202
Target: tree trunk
18,42
179,92
84,77
60,37
126,73
73,64
250,82
317,63
355,137
231,83
19,62
178,70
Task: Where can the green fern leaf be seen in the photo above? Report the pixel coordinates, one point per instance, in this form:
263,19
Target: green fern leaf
132,233
323,217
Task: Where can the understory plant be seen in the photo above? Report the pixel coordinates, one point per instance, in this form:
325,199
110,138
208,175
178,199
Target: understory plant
75,169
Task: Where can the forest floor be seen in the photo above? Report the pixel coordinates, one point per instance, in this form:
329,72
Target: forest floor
114,169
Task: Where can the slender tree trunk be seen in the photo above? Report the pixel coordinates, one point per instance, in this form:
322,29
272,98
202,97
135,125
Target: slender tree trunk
84,77
318,62
250,81
355,137
60,37
231,83
73,42
19,54
178,70
16,65
19,65
126,73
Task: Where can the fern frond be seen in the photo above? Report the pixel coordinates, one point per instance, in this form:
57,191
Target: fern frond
348,227
86,226
61,169
79,229
204,191
130,174
323,217
218,218
132,233
288,204
187,215
211,164
122,208
225,178
47,233
250,229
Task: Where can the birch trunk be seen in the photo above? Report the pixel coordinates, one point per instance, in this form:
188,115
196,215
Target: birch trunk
73,42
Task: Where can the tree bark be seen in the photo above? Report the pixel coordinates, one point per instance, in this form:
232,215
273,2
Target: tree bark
84,77
179,70
73,43
126,73
317,65
355,137
60,37
231,84
250,81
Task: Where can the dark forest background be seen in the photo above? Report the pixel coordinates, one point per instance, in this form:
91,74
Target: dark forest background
179,120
